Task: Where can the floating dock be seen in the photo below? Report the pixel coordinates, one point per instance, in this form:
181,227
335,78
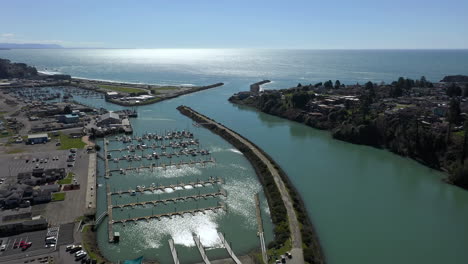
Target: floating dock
228,248
106,160
211,181
175,199
193,212
109,214
154,166
201,249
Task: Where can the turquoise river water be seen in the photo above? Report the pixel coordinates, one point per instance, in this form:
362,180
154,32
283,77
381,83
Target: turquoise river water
368,205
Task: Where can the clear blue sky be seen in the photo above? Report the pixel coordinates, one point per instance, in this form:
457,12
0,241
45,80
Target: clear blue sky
335,24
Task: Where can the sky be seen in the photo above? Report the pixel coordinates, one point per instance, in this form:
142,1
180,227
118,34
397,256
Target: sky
294,24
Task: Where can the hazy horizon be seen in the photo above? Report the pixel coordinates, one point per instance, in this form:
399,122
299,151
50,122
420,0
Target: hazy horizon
298,24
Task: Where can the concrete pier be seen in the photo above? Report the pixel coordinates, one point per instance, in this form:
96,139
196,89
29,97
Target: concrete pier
173,251
175,199
211,181
201,249
171,214
228,248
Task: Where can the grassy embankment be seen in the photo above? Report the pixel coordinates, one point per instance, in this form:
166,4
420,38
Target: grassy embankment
311,246
89,242
66,142
67,180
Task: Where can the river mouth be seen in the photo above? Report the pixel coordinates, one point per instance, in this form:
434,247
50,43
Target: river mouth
368,205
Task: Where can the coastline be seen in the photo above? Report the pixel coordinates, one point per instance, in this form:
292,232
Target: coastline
381,131
299,228
154,92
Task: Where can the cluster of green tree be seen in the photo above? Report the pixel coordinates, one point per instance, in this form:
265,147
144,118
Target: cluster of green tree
407,83
312,249
15,70
456,90
402,133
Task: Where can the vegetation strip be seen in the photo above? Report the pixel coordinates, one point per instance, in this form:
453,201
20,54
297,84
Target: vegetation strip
287,209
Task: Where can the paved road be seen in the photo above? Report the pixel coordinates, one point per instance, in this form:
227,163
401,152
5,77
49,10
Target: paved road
296,238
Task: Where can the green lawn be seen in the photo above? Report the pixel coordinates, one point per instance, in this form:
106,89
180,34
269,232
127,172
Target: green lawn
67,180
121,89
67,143
58,196
14,151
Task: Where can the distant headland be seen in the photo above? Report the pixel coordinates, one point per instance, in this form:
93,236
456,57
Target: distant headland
7,46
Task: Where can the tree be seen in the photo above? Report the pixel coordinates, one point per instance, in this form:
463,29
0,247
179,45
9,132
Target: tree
300,99
423,81
366,101
67,110
396,92
465,91
370,88
337,84
453,114
328,84
299,85
318,84
454,90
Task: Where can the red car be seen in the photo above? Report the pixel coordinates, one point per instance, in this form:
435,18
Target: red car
26,246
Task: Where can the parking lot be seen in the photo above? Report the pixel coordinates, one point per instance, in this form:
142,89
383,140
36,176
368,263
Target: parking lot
25,162
63,235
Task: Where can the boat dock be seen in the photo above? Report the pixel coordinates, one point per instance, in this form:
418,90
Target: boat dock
193,212
260,229
228,248
173,251
211,181
109,214
201,249
106,160
156,165
175,199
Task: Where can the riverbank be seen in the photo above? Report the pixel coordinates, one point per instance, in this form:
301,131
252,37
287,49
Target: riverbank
287,208
423,123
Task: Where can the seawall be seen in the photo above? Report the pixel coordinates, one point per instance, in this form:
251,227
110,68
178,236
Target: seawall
283,199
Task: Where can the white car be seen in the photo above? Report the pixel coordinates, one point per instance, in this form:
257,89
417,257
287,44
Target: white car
3,247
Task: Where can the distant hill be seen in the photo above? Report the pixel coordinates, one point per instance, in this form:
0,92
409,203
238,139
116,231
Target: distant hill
455,78
16,70
29,46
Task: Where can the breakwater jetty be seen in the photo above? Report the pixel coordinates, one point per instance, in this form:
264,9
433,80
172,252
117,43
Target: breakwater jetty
270,172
